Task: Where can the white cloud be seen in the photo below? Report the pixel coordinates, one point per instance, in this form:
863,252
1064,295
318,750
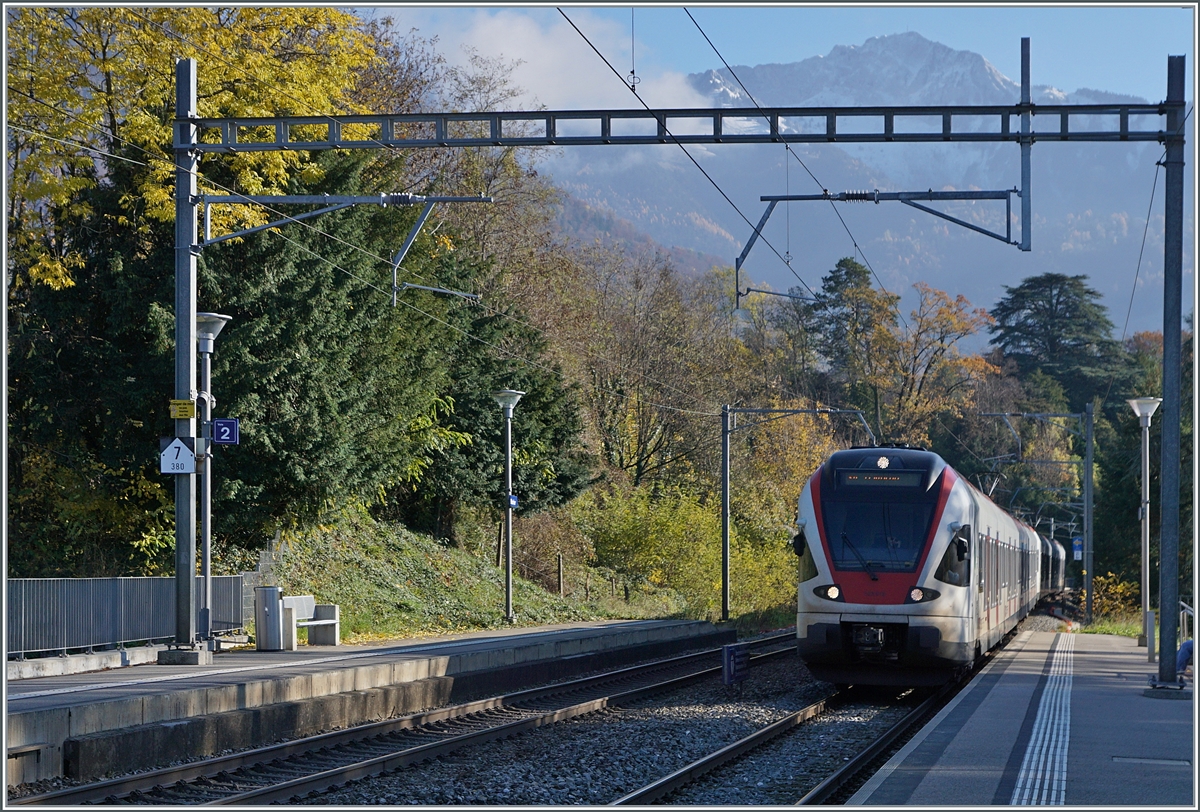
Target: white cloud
557,67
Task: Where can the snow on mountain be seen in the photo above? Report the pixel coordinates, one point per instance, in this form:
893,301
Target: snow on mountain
1089,200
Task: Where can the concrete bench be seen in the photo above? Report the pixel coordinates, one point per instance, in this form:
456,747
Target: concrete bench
323,621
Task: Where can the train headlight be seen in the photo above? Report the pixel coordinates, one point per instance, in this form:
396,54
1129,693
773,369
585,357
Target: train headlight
832,592
920,595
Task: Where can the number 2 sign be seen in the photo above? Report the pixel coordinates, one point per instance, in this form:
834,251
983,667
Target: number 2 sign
225,431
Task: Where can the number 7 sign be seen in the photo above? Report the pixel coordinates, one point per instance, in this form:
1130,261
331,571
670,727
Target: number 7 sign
225,431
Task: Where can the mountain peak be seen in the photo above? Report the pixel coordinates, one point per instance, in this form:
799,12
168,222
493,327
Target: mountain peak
895,69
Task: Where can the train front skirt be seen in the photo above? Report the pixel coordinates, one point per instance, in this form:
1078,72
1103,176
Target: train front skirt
884,649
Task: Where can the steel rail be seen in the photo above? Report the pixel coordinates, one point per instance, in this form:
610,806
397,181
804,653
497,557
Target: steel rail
822,791
688,774
844,774
339,776
819,794
148,781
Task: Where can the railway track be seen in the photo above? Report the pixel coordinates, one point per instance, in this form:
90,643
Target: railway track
296,769
839,783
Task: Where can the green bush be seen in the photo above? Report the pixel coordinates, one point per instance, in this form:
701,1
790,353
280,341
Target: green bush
672,540
1112,597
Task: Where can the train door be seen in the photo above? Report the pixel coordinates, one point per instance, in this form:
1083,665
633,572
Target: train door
994,585
980,586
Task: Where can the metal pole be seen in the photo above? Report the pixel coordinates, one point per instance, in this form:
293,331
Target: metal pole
186,163
508,514
1087,513
204,468
1026,145
725,429
1144,515
1168,561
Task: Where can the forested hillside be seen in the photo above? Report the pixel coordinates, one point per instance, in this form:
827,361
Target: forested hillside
346,400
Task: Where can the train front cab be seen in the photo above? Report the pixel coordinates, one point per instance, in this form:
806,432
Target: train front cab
885,569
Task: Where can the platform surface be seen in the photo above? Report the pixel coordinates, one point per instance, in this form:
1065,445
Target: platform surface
1055,719
238,667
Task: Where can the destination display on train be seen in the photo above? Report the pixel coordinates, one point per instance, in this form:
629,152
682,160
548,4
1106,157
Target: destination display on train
876,479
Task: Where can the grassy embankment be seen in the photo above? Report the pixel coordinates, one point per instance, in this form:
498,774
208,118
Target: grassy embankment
394,584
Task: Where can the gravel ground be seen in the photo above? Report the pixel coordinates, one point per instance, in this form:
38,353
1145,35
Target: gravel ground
597,759
783,771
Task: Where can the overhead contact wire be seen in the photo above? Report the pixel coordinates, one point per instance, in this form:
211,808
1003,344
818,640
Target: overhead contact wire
695,163
1138,270
311,228
317,230
507,352
788,147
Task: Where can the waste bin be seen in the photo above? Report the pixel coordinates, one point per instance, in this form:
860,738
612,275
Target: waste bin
268,618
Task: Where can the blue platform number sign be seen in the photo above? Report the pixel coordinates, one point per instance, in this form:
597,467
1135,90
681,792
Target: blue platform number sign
225,431
512,501
735,661
1077,548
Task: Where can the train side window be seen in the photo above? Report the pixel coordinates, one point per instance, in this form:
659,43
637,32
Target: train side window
955,566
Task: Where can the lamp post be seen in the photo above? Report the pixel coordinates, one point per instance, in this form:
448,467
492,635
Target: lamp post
507,398
208,327
1144,408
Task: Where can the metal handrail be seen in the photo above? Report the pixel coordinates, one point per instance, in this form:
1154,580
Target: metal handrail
61,614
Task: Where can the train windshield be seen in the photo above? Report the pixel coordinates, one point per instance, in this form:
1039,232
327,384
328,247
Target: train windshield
876,535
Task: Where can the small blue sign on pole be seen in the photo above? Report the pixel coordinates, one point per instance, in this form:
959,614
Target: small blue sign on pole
225,431
1077,547
735,662
512,501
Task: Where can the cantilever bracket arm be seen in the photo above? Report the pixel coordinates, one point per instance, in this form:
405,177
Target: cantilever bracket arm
274,224
907,198
776,293
1004,238
910,198
407,285
330,203
412,235
737,265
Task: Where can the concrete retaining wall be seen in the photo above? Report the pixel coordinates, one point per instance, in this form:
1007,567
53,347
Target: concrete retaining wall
139,732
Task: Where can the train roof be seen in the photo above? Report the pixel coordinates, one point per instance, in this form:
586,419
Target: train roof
887,457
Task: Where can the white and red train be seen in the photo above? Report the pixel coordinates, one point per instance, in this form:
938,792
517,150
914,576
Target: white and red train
908,572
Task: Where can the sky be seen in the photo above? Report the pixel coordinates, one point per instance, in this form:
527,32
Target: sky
1121,49
1115,48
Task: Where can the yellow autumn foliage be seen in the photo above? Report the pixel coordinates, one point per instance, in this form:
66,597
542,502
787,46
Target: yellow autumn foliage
88,86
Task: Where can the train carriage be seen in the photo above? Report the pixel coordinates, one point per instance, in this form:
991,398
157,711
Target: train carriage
907,572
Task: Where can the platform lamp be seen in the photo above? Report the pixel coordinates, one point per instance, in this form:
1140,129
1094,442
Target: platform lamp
208,327
1144,408
507,398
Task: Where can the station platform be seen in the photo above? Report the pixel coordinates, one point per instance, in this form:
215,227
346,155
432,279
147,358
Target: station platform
93,724
1054,719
